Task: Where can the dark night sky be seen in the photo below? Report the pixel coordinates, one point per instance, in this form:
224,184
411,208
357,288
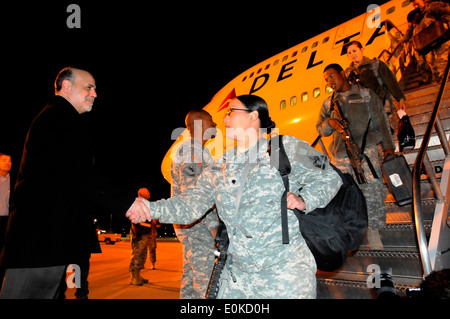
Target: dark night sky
152,64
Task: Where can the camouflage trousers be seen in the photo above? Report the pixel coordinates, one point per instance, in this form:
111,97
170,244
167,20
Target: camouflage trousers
139,246
292,278
198,260
373,189
436,61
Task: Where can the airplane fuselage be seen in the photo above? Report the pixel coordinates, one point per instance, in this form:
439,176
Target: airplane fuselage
292,81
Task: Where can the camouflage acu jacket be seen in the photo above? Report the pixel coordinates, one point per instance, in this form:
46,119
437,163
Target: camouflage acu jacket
255,226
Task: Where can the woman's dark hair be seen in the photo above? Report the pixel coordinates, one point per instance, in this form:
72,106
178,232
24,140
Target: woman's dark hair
357,43
256,103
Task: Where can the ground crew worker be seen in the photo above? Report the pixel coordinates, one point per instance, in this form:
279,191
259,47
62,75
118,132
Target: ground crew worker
197,239
247,189
364,111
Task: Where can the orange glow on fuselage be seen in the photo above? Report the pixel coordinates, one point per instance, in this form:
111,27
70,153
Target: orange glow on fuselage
292,81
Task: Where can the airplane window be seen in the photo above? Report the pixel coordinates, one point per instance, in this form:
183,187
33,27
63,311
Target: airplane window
245,78
276,62
325,40
316,92
304,97
252,74
267,66
259,71
390,10
328,89
293,100
314,44
406,3
285,58
294,54
283,105
304,49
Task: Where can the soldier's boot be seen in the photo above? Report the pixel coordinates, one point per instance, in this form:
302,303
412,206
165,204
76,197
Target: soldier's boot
145,281
374,239
136,278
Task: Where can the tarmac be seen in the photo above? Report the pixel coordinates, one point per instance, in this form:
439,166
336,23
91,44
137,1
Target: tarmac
109,277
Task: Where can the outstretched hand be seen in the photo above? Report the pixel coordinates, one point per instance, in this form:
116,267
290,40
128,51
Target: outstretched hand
138,211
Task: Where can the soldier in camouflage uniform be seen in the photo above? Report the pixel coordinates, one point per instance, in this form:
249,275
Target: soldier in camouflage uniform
426,13
197,239
140,236
376,75
359,106
247,190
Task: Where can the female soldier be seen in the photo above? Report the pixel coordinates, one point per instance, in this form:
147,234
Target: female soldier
374,74
247,190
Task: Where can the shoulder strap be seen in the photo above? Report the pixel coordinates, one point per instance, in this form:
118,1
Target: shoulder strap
375,64
280,160
366,95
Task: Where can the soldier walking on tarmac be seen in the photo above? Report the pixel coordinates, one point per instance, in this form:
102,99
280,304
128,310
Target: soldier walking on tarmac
140,234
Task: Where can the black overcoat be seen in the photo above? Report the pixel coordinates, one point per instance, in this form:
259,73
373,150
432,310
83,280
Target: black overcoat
56,191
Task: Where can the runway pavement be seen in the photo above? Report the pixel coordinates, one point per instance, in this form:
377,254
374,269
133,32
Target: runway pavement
109,277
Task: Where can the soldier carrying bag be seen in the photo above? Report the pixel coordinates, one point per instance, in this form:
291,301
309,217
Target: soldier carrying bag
431,37
332,231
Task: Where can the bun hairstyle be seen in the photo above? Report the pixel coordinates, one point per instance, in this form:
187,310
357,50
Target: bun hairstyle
256,103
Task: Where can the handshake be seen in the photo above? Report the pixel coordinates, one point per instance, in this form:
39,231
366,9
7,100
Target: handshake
139,211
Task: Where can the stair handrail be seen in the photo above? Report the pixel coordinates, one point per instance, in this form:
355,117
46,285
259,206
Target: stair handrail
399,47
417,208
400,44
387,21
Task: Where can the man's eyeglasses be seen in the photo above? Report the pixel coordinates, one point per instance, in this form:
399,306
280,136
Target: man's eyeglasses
228,113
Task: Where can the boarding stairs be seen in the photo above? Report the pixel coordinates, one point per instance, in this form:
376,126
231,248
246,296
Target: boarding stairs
414,245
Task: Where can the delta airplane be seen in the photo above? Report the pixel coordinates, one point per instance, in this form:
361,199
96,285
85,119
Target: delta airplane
292,81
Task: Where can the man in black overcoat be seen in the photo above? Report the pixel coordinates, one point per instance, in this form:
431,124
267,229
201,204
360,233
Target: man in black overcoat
56,190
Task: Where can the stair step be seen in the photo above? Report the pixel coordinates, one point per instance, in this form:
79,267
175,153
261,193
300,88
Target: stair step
405,267
425,104
343,289
400,254
349,289
424,96
420,129
434,146
404,263
396,237
395,213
